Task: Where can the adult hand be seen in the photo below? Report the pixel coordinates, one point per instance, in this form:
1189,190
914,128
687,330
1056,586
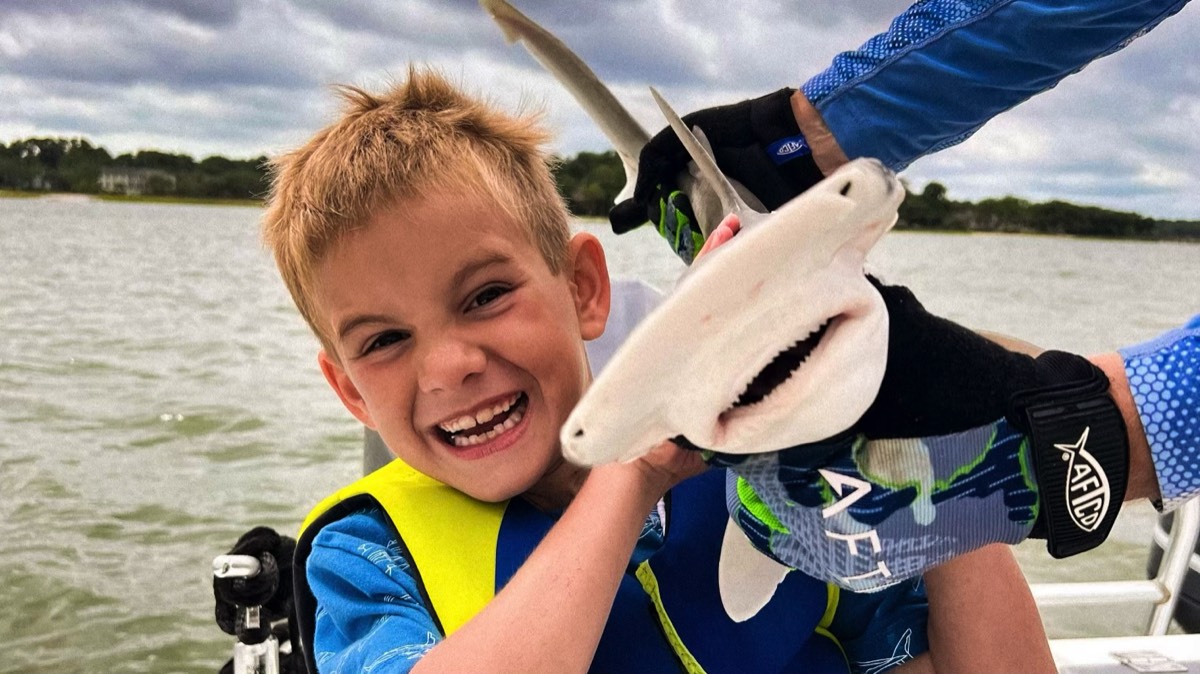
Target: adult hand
942,462
755,142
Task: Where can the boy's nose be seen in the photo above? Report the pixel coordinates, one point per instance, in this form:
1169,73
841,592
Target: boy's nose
448,363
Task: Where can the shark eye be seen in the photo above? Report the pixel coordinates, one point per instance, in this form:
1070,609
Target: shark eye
846,188
578,433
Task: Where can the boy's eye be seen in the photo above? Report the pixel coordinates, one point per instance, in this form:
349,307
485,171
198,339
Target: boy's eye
488,295
384,340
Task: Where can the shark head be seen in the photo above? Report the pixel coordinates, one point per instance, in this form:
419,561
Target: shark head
773,340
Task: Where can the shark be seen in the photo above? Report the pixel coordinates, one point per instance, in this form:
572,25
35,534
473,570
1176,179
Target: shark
775,339
772,340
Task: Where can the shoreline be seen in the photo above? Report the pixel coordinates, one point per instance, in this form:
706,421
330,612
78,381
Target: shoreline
596,221
589,220
127,198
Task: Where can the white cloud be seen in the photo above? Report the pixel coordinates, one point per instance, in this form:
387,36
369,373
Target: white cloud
247,78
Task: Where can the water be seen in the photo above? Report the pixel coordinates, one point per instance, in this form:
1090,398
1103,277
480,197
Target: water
159,396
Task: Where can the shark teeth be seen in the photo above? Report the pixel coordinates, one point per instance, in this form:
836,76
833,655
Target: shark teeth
780,369
484,424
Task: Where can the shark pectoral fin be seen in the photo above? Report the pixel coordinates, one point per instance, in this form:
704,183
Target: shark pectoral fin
746,577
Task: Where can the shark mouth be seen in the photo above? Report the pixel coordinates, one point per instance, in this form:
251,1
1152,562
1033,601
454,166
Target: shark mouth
485,424
778,371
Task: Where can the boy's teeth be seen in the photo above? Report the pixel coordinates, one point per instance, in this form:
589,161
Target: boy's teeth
460,441
481,417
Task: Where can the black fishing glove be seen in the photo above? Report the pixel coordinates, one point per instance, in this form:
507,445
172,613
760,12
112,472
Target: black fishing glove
966,444
755,142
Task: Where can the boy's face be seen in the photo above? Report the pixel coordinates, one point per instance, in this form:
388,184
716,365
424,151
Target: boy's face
455,341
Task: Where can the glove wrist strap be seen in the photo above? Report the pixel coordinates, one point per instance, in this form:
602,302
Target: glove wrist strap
1080,453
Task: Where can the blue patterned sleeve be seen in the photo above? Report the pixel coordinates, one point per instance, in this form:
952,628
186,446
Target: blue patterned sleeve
1164,377
945,67
882,630
369,611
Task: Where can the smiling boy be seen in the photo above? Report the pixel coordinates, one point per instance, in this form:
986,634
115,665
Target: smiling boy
424,242
454,339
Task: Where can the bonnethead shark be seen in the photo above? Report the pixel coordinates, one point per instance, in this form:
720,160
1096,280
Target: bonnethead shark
773,340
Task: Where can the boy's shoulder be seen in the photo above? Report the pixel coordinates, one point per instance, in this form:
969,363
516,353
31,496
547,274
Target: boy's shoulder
362,533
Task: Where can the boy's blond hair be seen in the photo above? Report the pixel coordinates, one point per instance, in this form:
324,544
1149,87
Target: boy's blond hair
423,136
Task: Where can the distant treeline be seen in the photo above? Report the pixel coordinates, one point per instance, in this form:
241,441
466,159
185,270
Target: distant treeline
589,181
75,165
931,209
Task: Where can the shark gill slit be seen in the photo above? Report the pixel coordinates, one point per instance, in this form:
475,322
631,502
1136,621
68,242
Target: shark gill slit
779,369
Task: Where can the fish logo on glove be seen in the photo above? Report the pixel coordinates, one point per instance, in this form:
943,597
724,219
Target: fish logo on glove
1087,489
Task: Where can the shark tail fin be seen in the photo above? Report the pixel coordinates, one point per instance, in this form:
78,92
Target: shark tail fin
505,16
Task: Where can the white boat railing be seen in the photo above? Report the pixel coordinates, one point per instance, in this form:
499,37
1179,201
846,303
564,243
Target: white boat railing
1162,591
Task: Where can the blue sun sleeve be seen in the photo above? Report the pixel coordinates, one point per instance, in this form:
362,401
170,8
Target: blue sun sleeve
1164,377
945,67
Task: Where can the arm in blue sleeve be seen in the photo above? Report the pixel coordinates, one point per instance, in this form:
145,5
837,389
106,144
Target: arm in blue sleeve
1164,377
945,67
369,610
881,630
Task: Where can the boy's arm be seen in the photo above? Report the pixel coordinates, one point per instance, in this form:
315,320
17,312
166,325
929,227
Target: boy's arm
962,616
550,615
982,617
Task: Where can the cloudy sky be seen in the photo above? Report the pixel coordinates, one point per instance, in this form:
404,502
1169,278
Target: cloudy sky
243,78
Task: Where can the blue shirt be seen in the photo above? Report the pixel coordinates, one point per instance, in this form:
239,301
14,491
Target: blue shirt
369,610
370,615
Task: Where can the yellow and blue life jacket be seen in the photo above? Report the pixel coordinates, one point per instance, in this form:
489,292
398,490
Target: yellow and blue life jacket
667,615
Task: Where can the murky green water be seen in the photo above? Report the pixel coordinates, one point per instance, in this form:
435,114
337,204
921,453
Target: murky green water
159,396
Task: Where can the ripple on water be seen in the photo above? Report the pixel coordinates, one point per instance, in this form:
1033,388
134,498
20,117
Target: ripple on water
149,524
51,624
172,426
242,452
38,605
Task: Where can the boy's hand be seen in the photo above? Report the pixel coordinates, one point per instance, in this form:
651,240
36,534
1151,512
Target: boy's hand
667,465
756,142
724,232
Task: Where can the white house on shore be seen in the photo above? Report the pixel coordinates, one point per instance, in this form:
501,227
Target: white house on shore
120,180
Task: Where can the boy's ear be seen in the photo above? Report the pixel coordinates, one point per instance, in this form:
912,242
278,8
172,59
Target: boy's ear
590,283
340,382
